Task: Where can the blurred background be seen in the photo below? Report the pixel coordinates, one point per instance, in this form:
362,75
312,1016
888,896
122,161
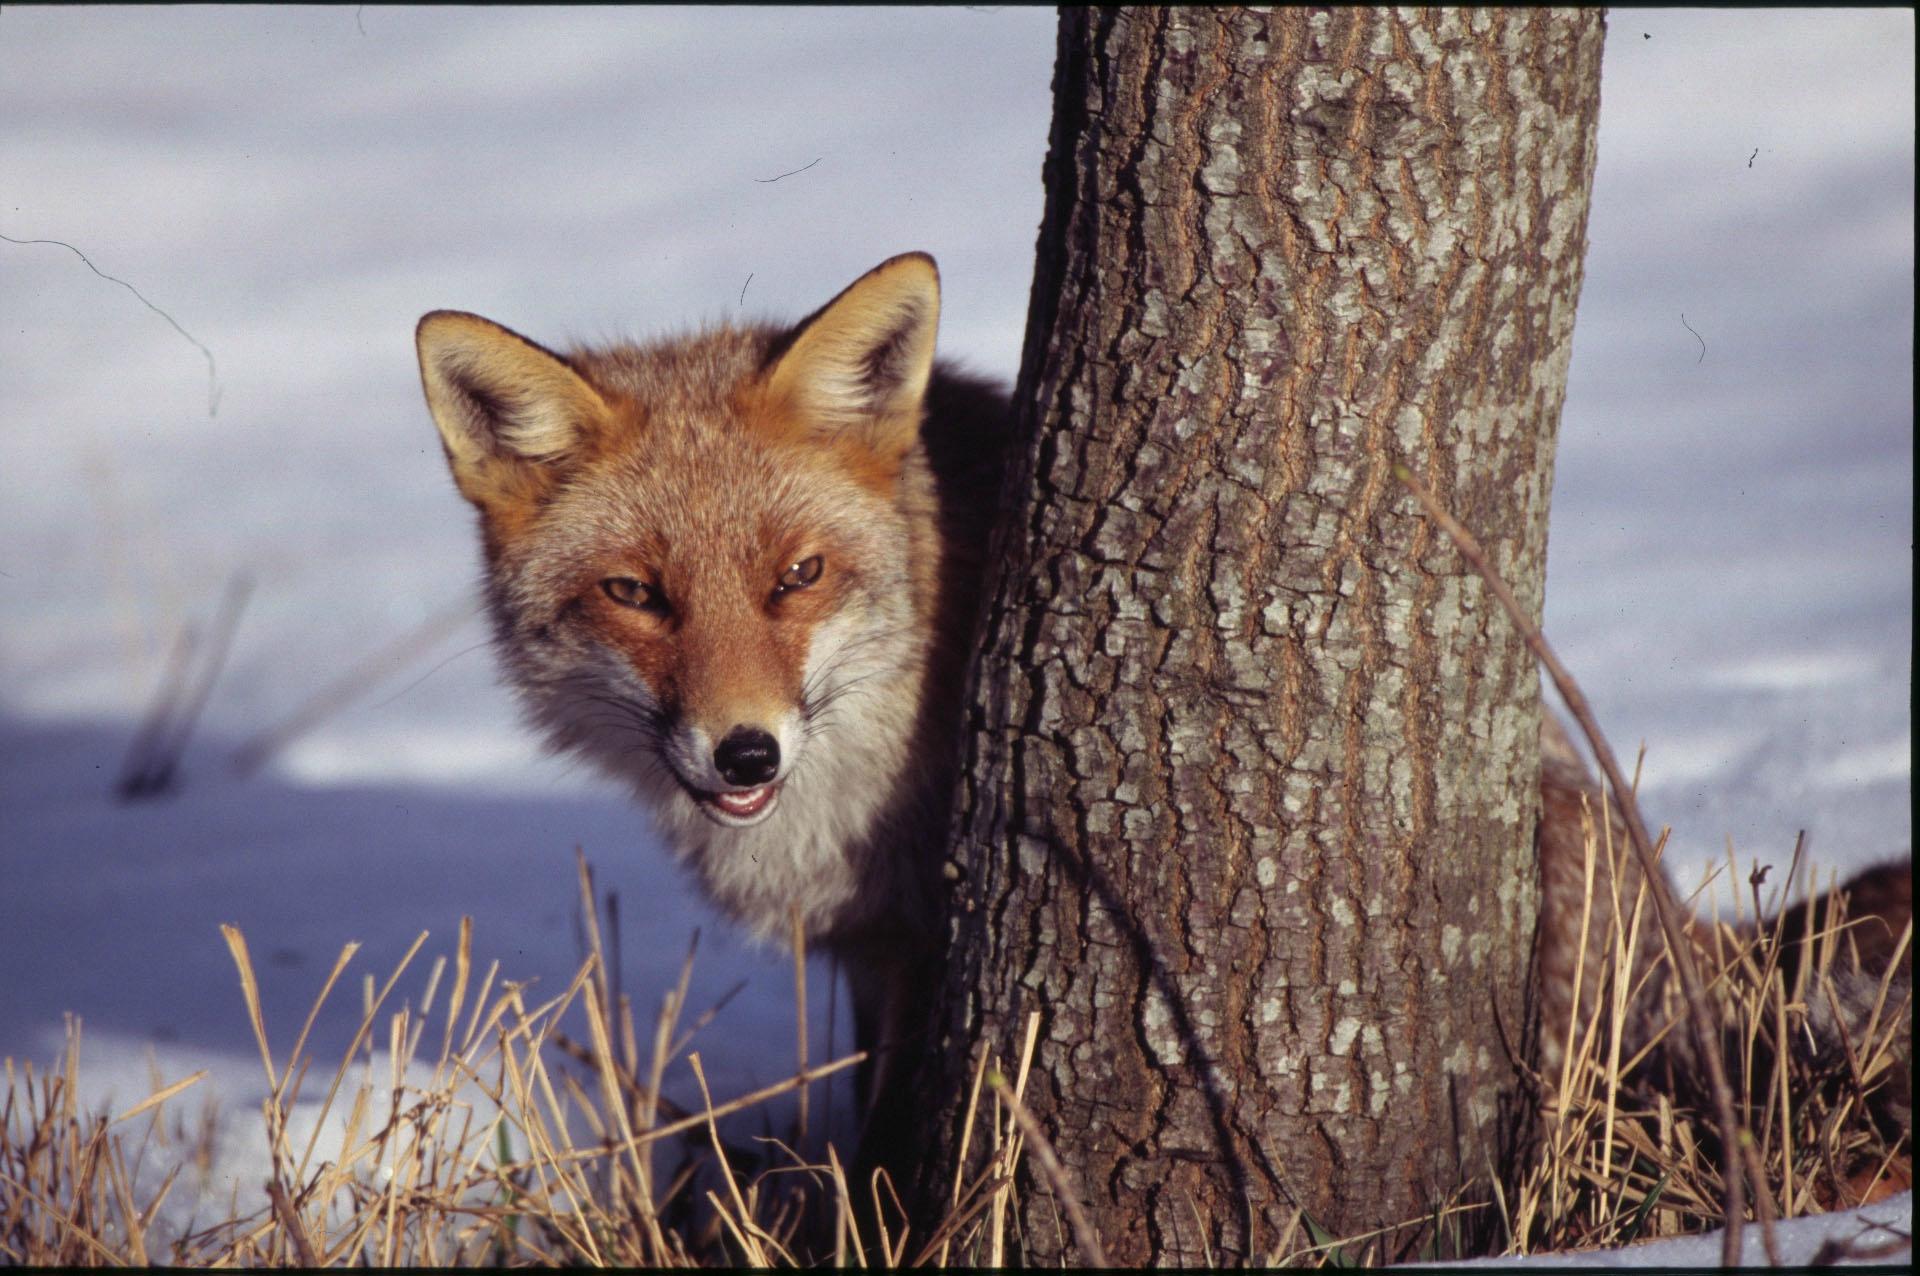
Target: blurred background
268,198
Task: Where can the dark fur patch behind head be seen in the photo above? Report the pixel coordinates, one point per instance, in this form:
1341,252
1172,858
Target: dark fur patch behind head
783,341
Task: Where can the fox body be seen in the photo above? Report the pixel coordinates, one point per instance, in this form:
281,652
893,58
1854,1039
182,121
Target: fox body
738,570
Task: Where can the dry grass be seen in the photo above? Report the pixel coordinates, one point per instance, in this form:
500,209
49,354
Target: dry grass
488,1127
1619,1159
491,1127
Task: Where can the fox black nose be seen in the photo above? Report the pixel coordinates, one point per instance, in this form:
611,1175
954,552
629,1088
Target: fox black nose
747,756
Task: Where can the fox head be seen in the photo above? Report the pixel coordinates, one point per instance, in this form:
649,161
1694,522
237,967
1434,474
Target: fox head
706,554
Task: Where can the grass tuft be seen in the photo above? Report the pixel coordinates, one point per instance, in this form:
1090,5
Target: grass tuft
526,1133
534,1132
1627,1150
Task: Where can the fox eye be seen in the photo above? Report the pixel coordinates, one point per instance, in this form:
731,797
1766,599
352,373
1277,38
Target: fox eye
799,575
636,594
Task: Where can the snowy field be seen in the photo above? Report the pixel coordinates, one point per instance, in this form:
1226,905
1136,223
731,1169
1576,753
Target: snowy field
1731,559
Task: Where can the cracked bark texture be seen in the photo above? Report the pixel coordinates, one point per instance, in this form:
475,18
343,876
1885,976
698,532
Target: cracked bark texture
1250,770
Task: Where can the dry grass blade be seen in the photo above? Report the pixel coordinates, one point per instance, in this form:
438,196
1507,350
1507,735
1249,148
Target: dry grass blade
340,964
1610,1171
740,1224
966,1138
280,1098
1038,1146
139,773
68,1195
844,1230
250,992
402,1188
153,760
159,1097
745,1101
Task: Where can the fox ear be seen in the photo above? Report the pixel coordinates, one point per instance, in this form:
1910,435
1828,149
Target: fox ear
502,403
862,360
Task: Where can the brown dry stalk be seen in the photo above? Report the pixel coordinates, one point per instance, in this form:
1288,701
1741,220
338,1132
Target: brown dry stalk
1737,1142
1056,1174
289,1220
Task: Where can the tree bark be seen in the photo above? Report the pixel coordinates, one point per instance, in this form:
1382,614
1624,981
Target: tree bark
1250,771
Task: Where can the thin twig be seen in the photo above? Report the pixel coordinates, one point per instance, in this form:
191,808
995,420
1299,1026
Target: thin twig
1056,1174
213,380
1738,1148
800,1008
789,173
1696,336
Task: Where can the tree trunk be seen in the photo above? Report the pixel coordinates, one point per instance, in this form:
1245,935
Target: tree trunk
1250,771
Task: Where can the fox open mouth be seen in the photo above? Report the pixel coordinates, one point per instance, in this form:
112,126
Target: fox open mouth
742,808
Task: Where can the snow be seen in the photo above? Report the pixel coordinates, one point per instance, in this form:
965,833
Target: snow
1730,570
1880,1234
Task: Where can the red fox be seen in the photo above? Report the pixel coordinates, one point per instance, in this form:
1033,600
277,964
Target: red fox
738,570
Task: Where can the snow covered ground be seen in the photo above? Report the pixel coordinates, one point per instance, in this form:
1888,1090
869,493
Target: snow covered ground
1730,572
1879,1235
